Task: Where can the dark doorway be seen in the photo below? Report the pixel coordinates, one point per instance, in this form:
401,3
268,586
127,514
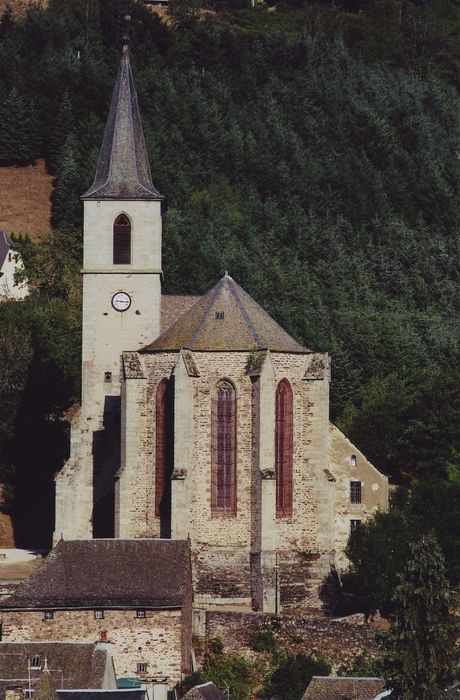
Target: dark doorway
106,462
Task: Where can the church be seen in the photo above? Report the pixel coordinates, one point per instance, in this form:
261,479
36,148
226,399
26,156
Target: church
201,419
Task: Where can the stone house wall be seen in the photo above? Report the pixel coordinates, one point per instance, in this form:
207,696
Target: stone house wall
156,640
348,464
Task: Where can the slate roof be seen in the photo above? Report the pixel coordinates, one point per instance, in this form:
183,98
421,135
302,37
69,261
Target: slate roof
123,169
173,306
5,245
207,691
138,573
226,318
71,664
341,688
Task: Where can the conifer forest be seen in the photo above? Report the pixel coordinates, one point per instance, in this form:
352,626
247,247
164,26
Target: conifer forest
310,149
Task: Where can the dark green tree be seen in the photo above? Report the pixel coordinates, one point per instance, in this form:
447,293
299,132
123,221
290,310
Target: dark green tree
293,675
66,211
63,126
19,141
420,653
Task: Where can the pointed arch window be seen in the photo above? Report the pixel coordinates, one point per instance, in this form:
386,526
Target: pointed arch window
122,240
284,449
164,453
223,477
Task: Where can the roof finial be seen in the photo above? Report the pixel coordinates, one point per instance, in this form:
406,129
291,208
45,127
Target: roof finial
226,273
127,19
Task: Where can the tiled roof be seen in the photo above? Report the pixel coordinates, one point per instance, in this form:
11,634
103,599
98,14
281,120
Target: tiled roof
341,688
124,694
71,665
140,573
207,691
172,308
226,318
123,170
5,245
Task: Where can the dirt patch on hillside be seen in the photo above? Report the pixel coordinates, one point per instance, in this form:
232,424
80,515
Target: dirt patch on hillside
20,7
25,199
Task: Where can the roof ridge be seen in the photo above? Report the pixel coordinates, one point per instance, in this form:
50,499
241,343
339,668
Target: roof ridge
206,315
244,312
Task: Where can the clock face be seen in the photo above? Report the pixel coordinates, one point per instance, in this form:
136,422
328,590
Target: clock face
121,301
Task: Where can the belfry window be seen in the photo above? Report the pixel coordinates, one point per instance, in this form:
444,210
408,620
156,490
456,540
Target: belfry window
223,476
122,240
283,449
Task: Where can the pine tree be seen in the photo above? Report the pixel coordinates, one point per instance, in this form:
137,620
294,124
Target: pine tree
66,203
420,649
19,138
63,126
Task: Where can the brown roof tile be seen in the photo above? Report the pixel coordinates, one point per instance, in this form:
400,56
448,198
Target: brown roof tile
71,664
207,691
341,688
226,318
108,573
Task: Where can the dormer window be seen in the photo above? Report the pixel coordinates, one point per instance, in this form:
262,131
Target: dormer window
122,240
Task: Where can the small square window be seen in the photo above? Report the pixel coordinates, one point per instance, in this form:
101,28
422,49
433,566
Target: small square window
355,492
49,615
354,525
142,668
98,614
35,662
219,314
140,613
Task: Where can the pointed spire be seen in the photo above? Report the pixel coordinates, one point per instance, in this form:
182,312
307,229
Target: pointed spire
123,170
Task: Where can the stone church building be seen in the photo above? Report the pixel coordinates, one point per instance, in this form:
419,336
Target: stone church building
201,418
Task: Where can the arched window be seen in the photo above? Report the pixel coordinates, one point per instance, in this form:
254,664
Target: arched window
283,449
122,240
223,477
164,453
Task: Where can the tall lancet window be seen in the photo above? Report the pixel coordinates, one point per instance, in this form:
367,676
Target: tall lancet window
164,454
283,449
223,476
122,240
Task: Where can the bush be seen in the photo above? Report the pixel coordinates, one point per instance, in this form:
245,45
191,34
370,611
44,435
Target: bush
362,665
229,672
293,675
264,640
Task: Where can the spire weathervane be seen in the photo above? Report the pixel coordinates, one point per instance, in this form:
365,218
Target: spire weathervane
126,37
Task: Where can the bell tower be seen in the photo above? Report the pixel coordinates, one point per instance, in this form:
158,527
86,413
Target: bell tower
121,244
121,310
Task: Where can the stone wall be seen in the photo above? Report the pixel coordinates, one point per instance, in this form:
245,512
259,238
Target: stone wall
155,640
348,464
337,640
223,547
